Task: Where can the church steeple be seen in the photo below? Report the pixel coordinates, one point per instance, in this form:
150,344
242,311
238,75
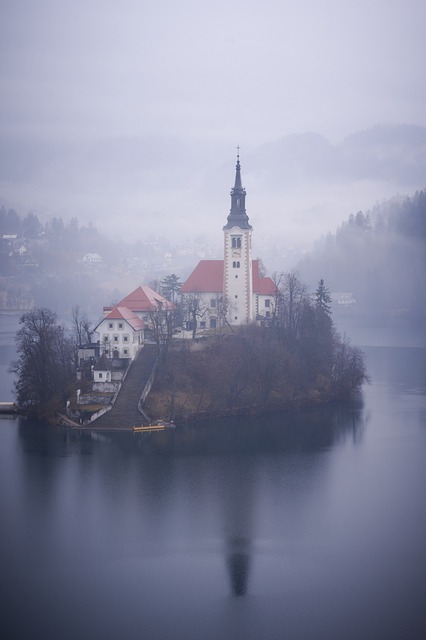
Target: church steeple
237,216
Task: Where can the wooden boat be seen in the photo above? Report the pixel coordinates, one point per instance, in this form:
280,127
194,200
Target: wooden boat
154,427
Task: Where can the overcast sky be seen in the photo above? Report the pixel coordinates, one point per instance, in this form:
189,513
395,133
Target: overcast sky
128,113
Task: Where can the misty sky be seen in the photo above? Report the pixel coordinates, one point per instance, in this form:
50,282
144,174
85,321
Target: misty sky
128,113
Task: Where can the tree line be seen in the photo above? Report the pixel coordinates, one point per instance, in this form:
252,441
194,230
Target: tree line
380,257
296,358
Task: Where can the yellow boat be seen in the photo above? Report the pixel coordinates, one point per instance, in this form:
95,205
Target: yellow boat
154,427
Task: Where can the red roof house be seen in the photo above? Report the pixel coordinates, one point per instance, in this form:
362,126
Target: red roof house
144,300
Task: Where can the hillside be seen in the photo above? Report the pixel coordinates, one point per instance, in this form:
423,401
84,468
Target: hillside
380,258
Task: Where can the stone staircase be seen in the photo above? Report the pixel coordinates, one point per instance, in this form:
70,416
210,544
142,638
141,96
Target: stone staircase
125,413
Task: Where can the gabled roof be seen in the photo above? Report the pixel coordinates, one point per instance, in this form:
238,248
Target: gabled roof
123,313
262,286
145,299
207,277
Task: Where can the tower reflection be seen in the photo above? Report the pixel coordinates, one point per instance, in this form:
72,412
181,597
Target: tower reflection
239,565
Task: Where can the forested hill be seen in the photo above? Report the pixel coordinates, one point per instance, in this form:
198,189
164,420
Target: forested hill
380,258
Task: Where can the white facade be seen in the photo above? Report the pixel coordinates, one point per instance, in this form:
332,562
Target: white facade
102,376
238,285
263,306
118,339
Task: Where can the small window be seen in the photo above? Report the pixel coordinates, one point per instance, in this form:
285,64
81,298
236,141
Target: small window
212,323
236,242
115,338
105,338
267,303
110,325
125,338
101,375
120,325
213,303
125,351
268,314
235,318
236,295
203,324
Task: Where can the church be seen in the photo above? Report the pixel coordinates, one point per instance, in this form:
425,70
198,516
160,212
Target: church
232,290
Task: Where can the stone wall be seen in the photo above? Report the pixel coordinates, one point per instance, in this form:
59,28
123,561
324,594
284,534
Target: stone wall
93,398
108,387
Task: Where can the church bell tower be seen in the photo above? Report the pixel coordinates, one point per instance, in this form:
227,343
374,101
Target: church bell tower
238,278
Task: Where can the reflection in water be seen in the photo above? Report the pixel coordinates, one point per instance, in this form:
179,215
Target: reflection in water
312,429
300,524
238,565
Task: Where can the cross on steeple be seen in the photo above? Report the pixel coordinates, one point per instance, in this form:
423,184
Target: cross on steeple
237,215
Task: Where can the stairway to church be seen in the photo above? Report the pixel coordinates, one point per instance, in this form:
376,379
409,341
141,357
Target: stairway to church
125,414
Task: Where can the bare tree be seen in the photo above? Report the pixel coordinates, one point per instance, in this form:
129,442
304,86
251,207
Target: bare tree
45,363
81,325
292,303
195,309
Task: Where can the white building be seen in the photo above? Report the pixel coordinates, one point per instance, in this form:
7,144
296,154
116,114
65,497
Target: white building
120,333
144,302
233,287
92,258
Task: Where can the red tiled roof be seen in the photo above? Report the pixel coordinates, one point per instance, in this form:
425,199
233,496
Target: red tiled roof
123,313
207,277
263,286
145,299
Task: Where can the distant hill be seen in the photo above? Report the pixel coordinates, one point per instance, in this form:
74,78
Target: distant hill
396,153
301,184
380,257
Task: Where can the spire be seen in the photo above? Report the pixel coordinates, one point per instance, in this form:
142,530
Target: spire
238,184
237,216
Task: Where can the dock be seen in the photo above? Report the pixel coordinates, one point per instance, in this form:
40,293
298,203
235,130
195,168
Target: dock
8,407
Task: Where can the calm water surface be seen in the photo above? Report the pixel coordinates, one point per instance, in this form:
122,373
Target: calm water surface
302,525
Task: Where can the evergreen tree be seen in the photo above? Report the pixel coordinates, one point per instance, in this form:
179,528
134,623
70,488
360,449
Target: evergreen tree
323,300
170,286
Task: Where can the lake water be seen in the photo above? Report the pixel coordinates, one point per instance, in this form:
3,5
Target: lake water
310,524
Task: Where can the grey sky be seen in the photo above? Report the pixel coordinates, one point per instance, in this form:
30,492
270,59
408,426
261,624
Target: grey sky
132,108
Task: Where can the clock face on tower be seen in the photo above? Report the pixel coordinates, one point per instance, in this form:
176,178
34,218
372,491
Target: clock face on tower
236,253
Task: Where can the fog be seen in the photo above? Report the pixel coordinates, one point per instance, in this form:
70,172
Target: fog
128,116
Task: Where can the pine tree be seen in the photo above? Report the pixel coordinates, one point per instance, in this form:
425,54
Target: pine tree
170,286
323,300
